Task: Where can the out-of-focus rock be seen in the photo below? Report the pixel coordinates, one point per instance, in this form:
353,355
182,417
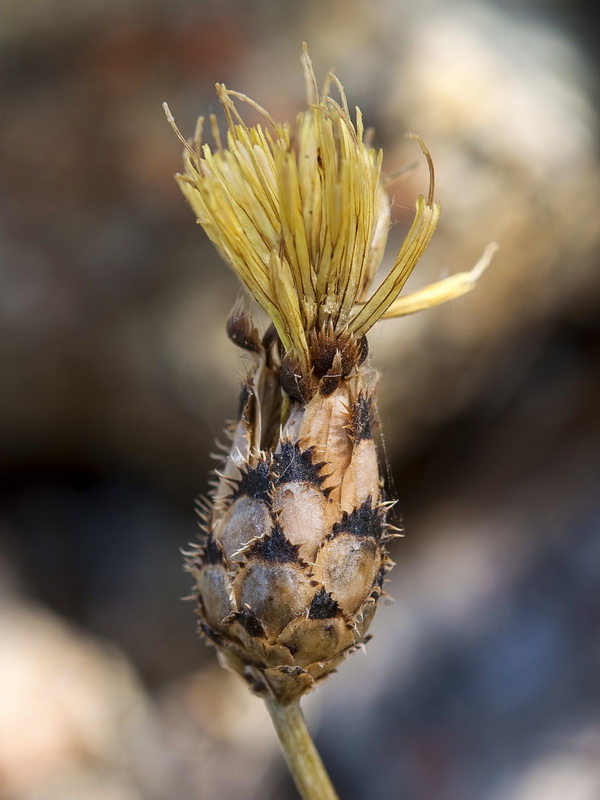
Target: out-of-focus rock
75,723
71,712
222,736
573,774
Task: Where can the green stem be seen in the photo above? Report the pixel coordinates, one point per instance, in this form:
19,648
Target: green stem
303,760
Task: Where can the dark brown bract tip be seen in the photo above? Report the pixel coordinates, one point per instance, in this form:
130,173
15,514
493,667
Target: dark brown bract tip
361,418
255,482
323,606
209,634
211,551
241,330
330,382
293,381
270,337
249,622
364,521
325,347
293,464
274,548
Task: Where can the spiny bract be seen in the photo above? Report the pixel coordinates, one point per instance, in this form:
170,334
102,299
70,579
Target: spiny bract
293,558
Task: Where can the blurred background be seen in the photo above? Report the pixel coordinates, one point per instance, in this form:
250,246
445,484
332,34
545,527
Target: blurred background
481,682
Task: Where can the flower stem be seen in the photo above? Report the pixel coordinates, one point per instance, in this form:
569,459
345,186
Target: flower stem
303,760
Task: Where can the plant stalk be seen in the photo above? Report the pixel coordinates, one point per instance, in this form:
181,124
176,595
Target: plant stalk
303,759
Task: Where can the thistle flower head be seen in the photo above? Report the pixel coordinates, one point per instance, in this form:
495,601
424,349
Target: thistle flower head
300,213
293,557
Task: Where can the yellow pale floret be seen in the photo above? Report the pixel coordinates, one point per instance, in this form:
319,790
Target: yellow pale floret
300,214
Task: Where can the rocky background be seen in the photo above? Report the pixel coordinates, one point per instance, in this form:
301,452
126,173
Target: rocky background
116,376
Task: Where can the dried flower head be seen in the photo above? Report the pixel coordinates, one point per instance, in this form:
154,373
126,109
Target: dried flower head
293,557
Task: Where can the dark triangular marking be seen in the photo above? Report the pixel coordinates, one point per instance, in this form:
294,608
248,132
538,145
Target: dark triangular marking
254,482
274,548
249,622
323,606
293,464
363,521
211,551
